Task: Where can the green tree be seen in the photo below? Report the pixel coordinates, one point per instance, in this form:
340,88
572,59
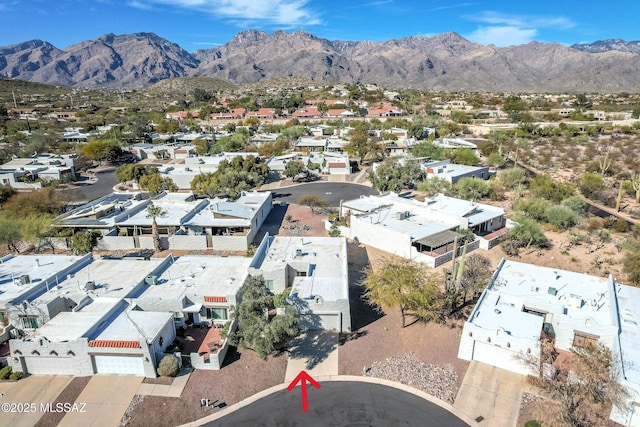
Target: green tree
512,177
525,234
156,184
293,168
314,202
428,149
394,175
434,185
469,188
84,241
258,329
545,187
496,160
10,232
133,172
102,150
154,212
363,147
399,283
38,230
514,108
464,156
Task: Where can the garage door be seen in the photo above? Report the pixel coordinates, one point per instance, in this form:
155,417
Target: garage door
121,365
499,357
320,321
49,365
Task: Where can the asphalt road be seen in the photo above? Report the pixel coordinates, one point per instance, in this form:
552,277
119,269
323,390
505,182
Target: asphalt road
341,404
332,192
86,192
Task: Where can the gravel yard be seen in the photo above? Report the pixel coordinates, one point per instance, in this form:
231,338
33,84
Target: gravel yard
437,380
243,375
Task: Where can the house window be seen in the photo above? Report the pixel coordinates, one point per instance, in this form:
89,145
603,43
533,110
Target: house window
30,322
160,341
269,284
301,273
217,313
582,339
177,315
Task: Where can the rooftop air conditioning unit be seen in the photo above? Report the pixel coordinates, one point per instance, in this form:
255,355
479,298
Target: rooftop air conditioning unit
90,285
25,279
151,280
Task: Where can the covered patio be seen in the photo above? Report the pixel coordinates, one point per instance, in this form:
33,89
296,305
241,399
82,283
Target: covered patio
437,244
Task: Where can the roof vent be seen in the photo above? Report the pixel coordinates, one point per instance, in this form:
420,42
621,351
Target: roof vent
552,291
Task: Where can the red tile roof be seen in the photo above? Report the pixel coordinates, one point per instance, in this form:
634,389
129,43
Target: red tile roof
114,343
215,299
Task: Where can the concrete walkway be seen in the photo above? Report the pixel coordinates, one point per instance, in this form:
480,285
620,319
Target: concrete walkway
173,390
491,393
103,401
315,352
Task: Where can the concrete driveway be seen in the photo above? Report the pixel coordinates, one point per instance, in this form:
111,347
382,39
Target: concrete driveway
104,400
30,393
491,393
315,352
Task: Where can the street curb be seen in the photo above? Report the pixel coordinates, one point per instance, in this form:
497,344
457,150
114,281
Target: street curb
326,378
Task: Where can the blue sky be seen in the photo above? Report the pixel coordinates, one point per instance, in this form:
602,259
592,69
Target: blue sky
202,24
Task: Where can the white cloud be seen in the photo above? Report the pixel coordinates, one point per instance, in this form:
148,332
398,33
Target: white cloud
521,21
509,30
287,13
502,36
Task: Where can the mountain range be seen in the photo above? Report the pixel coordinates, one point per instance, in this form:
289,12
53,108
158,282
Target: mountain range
446,62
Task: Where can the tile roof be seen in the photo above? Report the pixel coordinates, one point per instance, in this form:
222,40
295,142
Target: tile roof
114,343
215,299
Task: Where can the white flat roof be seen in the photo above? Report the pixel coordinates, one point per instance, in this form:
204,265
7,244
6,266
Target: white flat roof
176,210
200,276
71,325
571,297
327,257
114,278
38,267
128,323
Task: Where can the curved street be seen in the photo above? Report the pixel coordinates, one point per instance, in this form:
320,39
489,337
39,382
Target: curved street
342,403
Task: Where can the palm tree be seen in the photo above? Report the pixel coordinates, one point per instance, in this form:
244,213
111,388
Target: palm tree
154,212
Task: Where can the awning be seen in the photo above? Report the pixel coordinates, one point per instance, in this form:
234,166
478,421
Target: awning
439,239
193,308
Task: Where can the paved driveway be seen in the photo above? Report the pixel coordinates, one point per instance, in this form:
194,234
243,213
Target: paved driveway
105,399
332,192
491,393
28,394
315,352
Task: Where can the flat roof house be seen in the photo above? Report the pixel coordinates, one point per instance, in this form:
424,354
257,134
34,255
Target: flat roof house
423,231
316,270
523,301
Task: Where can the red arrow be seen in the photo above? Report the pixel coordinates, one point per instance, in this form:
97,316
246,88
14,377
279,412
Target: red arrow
302,378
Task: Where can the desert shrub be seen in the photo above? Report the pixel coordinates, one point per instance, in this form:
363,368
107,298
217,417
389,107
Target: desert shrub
532,207
15,376
593,223
533,423
620,226
5,372
575,203
561,217
168,366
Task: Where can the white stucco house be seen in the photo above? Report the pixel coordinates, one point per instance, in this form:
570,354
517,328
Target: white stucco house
423,231
316,270
522,301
